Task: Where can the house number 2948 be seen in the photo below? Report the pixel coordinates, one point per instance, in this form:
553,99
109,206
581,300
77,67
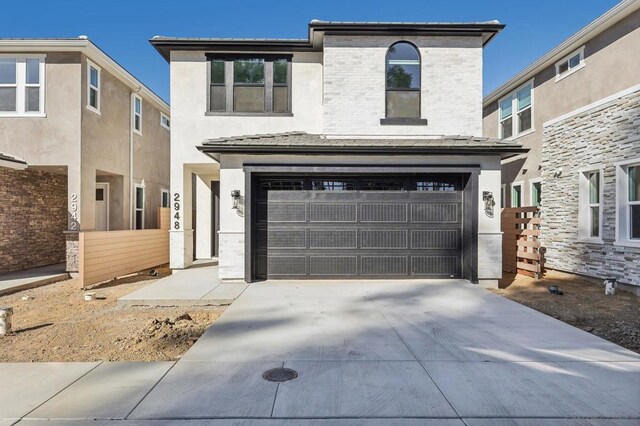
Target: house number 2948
176,208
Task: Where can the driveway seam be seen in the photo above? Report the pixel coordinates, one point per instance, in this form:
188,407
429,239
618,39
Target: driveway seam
61,390
411,352
150,390
275,396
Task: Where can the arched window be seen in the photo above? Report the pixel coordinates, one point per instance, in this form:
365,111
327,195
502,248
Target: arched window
403,81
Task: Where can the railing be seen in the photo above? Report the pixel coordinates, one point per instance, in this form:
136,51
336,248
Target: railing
106,255
521,251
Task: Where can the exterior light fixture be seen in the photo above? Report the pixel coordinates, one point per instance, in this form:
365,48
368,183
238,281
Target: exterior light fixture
235,196
489,202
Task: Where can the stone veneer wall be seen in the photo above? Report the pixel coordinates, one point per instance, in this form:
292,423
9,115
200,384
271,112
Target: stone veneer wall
601,136
33,216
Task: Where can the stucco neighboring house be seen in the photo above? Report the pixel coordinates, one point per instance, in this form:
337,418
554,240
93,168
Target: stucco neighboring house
331,156
578,110
93,145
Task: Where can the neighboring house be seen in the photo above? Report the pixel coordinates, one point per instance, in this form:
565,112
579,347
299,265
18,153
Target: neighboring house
325,157
94,145
578,110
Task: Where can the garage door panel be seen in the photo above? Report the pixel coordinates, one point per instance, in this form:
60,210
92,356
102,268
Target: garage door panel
436,213
384,265
287,265
383,239
435,265
332,212
286,212
383,212
333,265
287,238
333,238
436,239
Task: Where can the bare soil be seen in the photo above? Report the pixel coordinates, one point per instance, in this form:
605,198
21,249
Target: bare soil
59,325
583,305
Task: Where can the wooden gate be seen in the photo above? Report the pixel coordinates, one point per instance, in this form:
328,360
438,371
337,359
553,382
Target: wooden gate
521,252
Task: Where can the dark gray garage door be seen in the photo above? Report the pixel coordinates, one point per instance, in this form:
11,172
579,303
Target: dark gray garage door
365,227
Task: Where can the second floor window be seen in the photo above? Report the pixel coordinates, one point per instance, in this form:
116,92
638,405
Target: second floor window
21,85
136,120
93,87
403,81
251,85
515,112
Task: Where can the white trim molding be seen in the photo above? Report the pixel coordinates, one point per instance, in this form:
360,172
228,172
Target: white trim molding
531,182
623,219
593,105
134,114
21,84
519,183
515,121
584,204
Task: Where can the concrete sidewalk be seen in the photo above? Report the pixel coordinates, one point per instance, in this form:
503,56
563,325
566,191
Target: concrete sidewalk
30,278
198,285
381,353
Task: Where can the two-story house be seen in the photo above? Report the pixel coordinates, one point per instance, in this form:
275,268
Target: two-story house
577,109
91,145
336,156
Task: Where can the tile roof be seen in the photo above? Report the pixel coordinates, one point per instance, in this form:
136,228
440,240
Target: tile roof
300,141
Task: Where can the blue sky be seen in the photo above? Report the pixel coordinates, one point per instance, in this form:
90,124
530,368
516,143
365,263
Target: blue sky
122,28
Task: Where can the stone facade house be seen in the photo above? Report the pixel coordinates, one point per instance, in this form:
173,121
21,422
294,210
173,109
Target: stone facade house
577,110
325,157
85,147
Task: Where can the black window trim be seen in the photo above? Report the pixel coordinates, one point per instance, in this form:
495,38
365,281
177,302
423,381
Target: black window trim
268,84
402,121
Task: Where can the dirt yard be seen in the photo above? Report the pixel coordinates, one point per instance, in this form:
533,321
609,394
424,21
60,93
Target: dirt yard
583,305
59,325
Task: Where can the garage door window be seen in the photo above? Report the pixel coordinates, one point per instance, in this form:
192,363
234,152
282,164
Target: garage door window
333,185
382,185
282,185
443,184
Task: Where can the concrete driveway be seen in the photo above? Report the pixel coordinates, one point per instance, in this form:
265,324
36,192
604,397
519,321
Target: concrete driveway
383,353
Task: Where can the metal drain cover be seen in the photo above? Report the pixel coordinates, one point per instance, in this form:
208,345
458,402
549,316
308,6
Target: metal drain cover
280,374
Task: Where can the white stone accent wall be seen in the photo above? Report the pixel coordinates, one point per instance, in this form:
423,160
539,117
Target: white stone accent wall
354,85
596,138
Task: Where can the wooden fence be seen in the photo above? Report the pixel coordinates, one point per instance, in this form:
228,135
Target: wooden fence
110,254
521,251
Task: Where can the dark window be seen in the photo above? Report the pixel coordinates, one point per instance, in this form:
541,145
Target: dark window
99,194
259,85
536,194
333,185
217,91
282,185
403,81
439,184
382,185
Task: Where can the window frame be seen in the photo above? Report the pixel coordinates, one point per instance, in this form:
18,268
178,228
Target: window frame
515,119
531,183
98,89
623,205
570,70
519,184
229,85
135,205
503,195
585,218
418,120
21,85
135,98
164,117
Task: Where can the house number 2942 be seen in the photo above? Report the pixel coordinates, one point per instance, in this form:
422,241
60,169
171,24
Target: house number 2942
73,208
176,208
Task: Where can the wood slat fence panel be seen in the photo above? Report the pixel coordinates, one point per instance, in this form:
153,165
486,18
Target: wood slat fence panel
521,251
110,254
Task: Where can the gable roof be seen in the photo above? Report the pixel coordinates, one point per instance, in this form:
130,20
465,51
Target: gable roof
300,142
92,51
316,31
602,23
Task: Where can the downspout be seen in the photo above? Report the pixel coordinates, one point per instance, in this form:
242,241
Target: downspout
131,183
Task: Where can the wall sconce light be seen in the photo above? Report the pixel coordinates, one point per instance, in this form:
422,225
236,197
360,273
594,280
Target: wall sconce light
489,202
235,196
